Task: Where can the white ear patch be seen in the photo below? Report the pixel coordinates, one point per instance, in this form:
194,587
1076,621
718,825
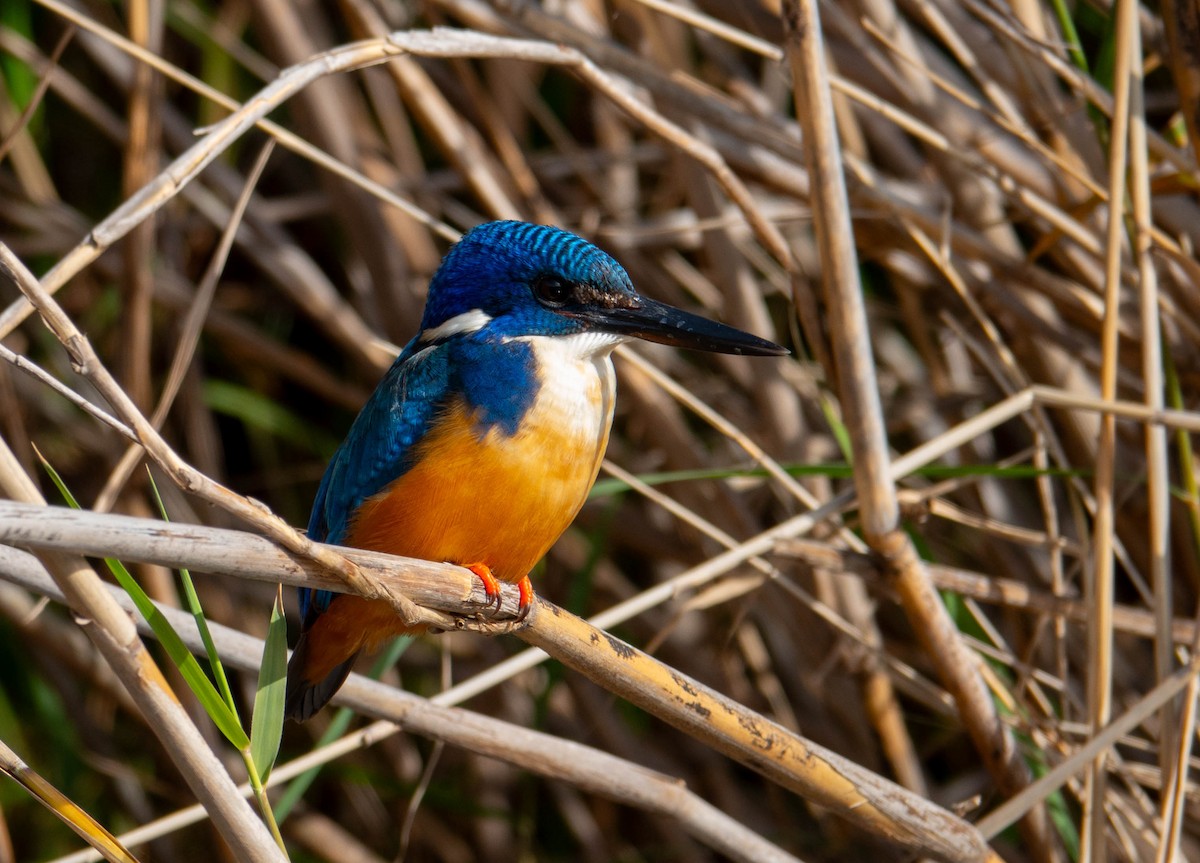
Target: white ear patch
467,322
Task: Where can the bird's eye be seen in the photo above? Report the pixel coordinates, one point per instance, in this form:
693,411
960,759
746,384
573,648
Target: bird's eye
551,291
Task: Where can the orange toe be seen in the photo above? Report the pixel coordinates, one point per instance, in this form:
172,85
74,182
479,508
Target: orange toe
525,588
490,585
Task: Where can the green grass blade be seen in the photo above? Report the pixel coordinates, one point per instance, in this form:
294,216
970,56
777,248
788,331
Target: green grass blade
193,603
266,725
837,428
204,690
1074,46
337,727
192,673
831,470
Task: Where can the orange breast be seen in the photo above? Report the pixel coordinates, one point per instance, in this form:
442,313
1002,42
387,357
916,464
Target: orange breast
495,499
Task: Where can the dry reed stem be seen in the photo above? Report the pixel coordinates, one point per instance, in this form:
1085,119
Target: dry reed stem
189,338
1153,701
1158,482
865,799
217,550
1175,801
458,140
818,774
594,771
106,845
85,361
957,668
1101,581
1008,593
999,307
439,43
140,165
434,586
815,773
114,635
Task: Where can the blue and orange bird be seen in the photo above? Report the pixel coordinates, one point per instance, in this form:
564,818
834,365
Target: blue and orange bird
483,439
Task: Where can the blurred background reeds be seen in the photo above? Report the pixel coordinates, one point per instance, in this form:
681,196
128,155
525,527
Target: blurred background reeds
1038,344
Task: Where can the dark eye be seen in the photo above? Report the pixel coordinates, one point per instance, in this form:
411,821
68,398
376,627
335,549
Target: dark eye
551,291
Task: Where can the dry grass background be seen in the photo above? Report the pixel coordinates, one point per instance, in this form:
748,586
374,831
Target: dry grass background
1004,589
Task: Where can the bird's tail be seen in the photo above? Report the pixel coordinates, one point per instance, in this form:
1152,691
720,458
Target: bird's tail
306,695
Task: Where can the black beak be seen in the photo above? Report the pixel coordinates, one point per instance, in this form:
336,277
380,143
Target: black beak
658,322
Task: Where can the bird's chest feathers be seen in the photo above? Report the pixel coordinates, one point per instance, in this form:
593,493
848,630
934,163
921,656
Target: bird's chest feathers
505,469
547,420
570,416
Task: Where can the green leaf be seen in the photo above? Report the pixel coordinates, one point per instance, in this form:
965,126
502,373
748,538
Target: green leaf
260,412
192,673
20,80
266,725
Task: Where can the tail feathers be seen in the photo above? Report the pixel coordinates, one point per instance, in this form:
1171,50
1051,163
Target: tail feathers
304,696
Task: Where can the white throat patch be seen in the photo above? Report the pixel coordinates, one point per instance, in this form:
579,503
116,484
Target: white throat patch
585,346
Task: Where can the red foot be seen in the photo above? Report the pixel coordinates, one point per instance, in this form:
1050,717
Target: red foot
525,589
490,585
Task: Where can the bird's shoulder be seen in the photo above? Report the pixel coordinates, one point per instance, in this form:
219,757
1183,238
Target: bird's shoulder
497,382
375,451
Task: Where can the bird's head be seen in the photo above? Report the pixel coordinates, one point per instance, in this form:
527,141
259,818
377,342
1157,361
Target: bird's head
515,279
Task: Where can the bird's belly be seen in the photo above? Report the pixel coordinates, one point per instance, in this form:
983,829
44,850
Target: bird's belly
497,499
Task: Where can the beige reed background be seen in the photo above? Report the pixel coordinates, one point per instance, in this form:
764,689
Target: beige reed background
974,224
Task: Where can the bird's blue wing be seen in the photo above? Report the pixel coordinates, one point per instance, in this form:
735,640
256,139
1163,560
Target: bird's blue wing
377,449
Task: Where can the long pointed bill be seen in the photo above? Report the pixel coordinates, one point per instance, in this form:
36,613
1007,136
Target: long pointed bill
658,322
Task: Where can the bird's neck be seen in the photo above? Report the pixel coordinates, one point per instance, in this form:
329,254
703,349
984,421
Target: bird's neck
502,381
498,379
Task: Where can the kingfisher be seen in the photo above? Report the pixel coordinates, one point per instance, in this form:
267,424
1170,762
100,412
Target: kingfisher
483,439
